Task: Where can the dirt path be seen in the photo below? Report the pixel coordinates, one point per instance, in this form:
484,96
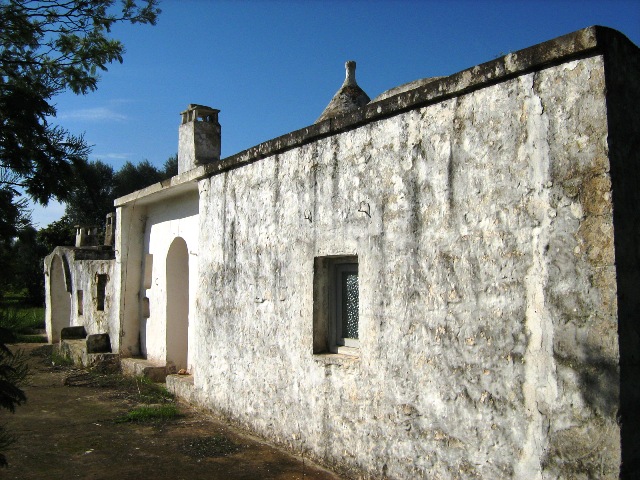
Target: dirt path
67,432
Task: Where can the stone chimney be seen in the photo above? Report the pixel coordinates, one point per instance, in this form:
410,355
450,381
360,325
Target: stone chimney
199,137
110,230
86,236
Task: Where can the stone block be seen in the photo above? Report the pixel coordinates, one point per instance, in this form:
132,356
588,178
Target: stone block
73,350
103,362
139,367
73,333
99,343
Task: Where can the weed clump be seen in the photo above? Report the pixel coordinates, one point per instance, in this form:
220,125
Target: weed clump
150,413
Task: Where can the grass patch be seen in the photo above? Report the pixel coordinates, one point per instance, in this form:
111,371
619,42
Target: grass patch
22,320
19,318
31,338
57,359
150,413
138,389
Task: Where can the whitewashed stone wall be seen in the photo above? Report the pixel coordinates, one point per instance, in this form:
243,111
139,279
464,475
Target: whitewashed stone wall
487,287
84,276
166,221
81,274
130,225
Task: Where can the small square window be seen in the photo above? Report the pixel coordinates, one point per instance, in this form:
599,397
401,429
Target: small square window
336,305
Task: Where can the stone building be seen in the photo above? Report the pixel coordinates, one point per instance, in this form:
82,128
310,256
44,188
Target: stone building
438,283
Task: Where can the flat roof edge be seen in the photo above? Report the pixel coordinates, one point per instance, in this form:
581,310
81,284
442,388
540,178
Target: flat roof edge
180,184
581,43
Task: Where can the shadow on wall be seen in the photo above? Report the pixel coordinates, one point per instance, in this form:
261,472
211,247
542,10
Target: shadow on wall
582,448
599,383
623,98
177,271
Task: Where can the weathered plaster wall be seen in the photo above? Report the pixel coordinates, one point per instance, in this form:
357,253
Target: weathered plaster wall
487,286
57,294
69,270
130,223
84,276
165,222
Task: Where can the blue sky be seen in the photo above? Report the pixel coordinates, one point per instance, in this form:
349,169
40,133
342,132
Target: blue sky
271,67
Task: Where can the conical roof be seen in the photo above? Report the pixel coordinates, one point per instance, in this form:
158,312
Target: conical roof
348,98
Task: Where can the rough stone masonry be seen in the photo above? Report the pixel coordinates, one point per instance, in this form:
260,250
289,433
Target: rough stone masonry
479,229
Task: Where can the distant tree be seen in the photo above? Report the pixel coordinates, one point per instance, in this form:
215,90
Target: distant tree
134,177
171,166
91,195
58,233
47,47
23,267
95,187
13,217
28,253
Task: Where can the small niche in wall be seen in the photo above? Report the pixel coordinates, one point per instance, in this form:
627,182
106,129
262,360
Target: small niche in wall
146,311
101,283
79,298
148,270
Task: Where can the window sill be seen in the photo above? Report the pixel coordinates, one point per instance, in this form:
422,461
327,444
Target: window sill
336,358
344,350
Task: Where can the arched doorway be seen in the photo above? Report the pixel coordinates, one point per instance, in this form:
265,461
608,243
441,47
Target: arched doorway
178,304
60,299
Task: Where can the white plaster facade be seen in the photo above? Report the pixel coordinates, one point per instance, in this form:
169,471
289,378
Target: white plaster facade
166,224
495,276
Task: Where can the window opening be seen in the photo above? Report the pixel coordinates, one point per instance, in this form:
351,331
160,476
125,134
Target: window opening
336,305
102,290
347,304
79,298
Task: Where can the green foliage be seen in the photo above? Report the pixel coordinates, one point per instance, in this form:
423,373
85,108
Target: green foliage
21,320
150,413
171,166
13,217
47,47
13,373
28,254
96,186
60,360
58,233
31,338
91,196
134,177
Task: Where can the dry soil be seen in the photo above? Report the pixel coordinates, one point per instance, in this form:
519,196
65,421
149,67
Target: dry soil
68,431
